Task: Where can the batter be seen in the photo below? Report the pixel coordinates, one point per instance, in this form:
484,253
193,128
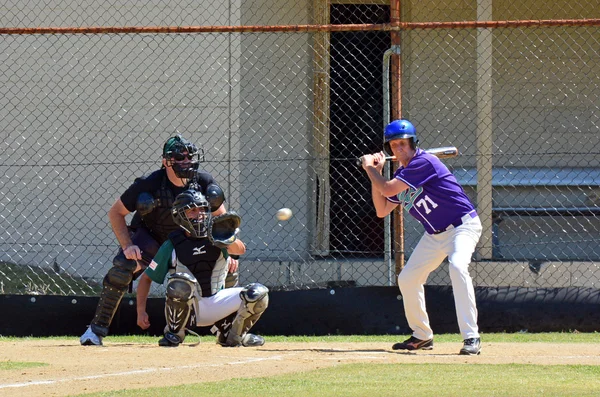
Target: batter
430,193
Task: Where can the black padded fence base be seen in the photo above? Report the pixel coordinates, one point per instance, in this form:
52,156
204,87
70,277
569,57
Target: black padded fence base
331,311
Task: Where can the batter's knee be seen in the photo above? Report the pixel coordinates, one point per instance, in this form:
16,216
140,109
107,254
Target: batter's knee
459,273
404,280
411,280
459,262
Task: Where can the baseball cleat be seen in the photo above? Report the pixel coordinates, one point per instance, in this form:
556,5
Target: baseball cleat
413,343
169,340
89,338
471,347
251,340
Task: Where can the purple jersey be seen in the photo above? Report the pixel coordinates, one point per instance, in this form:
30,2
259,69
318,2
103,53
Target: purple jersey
434,197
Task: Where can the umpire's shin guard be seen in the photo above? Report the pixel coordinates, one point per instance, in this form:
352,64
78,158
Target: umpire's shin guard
114,286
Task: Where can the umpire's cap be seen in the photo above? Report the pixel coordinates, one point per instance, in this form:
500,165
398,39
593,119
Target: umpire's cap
176,145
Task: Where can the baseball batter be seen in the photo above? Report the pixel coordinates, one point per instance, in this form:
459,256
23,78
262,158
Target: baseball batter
429,192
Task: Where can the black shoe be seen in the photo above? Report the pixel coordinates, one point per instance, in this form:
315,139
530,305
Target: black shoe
471,347
169,340
413,343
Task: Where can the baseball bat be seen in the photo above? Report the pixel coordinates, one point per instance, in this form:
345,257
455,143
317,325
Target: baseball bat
440,152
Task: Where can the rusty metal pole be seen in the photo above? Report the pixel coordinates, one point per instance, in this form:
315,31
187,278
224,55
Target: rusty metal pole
396,113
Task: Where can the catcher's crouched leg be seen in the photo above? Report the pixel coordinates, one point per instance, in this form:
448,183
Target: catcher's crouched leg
255,300
178,307
115,284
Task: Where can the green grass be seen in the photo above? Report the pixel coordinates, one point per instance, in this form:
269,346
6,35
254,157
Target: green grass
402,380
8,365
414,380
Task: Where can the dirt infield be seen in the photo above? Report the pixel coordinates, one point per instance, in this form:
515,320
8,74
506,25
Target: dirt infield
74,369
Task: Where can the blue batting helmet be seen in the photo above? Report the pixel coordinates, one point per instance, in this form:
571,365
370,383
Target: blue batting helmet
399,129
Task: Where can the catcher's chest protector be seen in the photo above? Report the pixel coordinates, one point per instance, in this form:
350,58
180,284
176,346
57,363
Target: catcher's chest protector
205,261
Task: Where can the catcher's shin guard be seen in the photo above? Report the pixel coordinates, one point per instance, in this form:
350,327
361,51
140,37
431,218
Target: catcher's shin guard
178,308
222,327
255,299
114,286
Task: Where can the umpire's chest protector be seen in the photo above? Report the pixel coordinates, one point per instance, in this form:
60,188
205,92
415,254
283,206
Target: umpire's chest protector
204,260
160,221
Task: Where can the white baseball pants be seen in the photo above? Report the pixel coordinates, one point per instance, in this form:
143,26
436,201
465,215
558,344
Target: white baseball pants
458,244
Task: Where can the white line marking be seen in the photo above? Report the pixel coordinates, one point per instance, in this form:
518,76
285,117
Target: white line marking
135,372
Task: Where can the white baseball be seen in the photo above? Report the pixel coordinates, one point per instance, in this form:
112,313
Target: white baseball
284,214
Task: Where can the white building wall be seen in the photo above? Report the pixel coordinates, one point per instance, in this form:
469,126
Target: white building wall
83,115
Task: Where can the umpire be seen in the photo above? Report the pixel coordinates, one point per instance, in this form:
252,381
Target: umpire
151,198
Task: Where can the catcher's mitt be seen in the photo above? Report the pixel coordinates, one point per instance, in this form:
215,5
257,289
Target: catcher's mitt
223,229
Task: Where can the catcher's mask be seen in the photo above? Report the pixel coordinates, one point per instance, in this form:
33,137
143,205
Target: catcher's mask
191,212
399,129
183,156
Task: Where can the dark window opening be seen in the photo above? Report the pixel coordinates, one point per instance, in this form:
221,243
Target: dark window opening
356,128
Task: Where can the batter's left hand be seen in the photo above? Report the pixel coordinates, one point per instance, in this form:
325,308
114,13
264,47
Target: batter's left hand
379,161
376,160
368,160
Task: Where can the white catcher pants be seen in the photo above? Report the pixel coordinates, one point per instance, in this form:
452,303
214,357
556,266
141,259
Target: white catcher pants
211,309
458,244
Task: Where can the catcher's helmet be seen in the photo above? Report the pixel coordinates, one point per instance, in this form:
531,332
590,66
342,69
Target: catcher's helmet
174,151
196,226
399,129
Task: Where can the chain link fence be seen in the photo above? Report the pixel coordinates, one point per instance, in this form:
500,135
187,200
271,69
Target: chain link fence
282,117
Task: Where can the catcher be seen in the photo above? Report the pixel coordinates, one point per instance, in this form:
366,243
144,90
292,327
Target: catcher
150,198
194,262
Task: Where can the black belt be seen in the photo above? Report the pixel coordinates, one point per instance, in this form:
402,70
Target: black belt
460,221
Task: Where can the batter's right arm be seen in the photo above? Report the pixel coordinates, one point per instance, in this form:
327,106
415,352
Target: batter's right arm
373,166
382,205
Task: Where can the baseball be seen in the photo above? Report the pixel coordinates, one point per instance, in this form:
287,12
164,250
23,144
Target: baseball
284,214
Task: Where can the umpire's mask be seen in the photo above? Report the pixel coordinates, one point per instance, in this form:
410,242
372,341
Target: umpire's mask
183,156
